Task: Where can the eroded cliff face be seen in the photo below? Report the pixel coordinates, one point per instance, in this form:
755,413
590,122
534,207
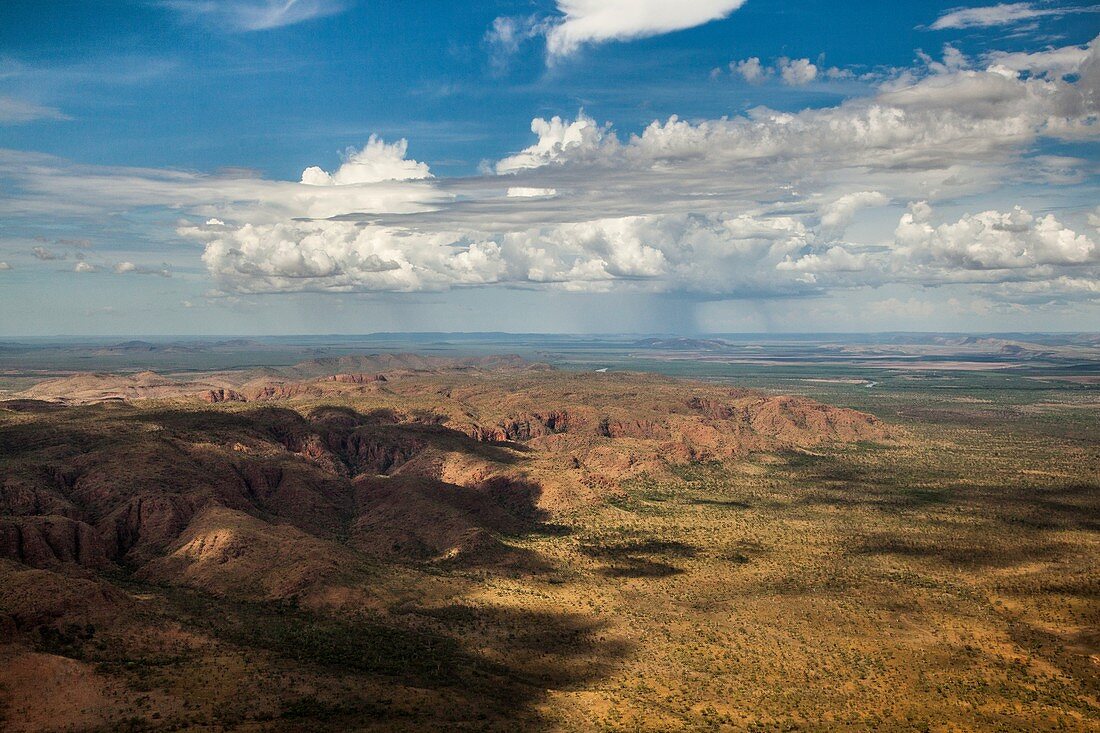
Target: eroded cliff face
617,435
49,541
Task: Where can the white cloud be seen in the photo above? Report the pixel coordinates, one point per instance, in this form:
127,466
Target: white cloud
376,162
557,138
838,213
84,267
590,22
753,205
792,72
339,256
1003,252
52,187
126,268
1057,169
16,111
714,254
526,192
1060,61
751,70
833,259
507,34
1001,14
4,266
257,15
1054,290
597,21
837,74
991,240
796,72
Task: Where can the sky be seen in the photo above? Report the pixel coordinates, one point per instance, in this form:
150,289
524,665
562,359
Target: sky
210,167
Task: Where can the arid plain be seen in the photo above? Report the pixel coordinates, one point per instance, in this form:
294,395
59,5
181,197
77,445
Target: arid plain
903,539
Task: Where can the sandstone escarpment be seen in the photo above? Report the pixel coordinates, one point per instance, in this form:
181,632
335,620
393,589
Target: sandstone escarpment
215,396
615,435
425,467
523,427
357,378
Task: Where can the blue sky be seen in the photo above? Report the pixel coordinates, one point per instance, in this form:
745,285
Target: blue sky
153,157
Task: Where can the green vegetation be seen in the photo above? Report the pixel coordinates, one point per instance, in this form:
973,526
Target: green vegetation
944,581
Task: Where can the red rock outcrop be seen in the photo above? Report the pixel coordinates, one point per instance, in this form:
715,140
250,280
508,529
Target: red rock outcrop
282,391
357,378
368,452
215,396
48,541
522,428
144,526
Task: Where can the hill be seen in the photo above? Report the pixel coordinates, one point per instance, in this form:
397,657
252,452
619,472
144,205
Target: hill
403,544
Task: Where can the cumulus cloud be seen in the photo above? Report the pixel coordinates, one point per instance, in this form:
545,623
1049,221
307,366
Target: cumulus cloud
953,60
4,266
126,268
792,72
557,138
376,162
796,72
1008,253
1000,14
991,240
257,15
751,70
930,122
597,21
751,205
705,253
84,267
340,256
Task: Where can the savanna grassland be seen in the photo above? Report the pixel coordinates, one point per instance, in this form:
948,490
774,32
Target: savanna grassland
537,550
950,585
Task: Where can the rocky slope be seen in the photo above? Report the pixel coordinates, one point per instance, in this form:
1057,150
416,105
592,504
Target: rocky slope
295,493
426,467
